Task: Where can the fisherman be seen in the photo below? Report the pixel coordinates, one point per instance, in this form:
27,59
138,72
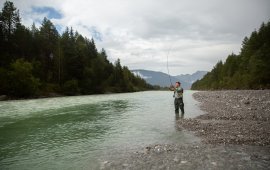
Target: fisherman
178,98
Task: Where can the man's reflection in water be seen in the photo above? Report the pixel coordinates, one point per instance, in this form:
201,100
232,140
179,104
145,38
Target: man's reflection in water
178,117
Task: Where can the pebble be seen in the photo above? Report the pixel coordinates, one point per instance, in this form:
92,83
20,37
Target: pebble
176,159
183,162
125,165
247,102
214,163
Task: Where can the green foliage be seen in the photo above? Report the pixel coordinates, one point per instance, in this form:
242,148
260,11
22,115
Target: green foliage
9,23
71,87
4,85
21,81
10,19
248,70
39,61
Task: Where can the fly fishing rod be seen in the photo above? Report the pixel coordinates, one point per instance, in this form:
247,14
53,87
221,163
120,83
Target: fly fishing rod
168,66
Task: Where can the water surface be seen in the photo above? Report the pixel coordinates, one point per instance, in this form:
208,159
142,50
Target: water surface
74,132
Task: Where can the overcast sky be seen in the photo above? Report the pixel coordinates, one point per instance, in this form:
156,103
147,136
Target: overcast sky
196,34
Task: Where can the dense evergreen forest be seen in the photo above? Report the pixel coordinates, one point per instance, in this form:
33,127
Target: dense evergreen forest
250,69
41,62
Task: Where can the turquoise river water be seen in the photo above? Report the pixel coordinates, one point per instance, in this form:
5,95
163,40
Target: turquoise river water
76,132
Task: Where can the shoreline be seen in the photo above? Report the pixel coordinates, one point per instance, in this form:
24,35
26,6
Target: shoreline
232,117
54,95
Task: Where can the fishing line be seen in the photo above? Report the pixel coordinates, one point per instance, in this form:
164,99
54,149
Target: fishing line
168,65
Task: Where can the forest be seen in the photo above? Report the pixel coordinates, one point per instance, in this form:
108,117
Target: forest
250,69
38,62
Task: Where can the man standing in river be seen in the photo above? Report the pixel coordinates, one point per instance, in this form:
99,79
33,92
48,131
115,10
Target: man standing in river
178,98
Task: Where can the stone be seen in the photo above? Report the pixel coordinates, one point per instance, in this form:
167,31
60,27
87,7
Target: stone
214,163
247,102
176,159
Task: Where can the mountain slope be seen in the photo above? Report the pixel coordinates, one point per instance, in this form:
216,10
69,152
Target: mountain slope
155,78
163,79
191,78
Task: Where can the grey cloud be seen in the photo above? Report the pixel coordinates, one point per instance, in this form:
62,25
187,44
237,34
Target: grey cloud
140,33
208,20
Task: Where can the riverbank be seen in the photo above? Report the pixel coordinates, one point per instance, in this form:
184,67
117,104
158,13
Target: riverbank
49,95
54,95
200,156
232,117
234,131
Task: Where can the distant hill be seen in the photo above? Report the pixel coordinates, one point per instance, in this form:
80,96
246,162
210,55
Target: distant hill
163,80
191,78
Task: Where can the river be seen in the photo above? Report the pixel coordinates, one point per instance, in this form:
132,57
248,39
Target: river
76,132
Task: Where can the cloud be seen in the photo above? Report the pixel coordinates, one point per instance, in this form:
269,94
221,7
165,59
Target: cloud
140,33
49,12
93,31
137,73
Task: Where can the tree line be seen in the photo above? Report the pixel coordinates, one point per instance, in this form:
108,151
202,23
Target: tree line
250,69
40,62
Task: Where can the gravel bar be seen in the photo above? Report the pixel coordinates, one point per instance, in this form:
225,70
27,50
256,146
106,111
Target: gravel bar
232,117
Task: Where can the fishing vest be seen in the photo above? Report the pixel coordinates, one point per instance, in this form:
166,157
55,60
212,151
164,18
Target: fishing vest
178,92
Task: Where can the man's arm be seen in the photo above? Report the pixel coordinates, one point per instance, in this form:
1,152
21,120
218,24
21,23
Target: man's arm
182,90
